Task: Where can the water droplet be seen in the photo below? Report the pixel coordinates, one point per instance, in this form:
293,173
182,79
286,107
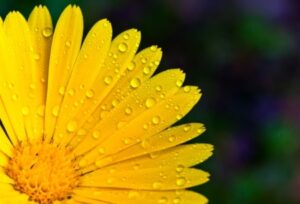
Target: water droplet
115,102
61,90
71,126
145,126
47,32
176,200
172,138
89,93
180,181
150,102
131,66
25,111
163,200
176,107
158,88
133,194
135,82
126,141
126,36
179,116
144,60
71,92
147,70
179,168
68,43
96,134
101,150
108,80
157,185
187,127
187,89
55,111
123,47
155,120
15,97
179,83
128,111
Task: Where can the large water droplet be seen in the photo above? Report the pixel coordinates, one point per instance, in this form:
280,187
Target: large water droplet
180,181
150,102
68,43
179,83
47,32
131,66
72,126
135,82
123,47
155,120
147,70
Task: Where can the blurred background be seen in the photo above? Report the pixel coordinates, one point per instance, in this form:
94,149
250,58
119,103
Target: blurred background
244,54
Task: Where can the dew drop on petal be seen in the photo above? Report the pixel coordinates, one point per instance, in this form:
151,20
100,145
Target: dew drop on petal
89,93
180,181
96,134
179,83
71,92
123,47
150,102
108,80
68,43
47,32
55,111
126,36
128,111
157,185
135,82
25,111
163,200
147,70
176,200
180,168
155,120
72,126
131,66
61,90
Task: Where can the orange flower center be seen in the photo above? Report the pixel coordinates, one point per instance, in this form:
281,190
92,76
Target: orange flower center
44,172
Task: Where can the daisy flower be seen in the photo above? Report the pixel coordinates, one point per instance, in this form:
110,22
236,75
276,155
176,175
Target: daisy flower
86,122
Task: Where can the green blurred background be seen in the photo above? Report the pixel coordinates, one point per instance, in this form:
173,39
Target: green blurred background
244,56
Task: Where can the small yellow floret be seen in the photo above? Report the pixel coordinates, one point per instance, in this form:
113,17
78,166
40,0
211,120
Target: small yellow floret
44,172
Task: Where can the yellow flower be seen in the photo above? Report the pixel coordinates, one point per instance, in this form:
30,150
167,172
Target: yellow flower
87,123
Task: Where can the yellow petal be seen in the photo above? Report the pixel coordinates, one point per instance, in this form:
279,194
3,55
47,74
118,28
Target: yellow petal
163,140
137,196
10,89
65,47
177,158
41,28
142,67
5,145
8,195
87,67
115,63
131,108
146,179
